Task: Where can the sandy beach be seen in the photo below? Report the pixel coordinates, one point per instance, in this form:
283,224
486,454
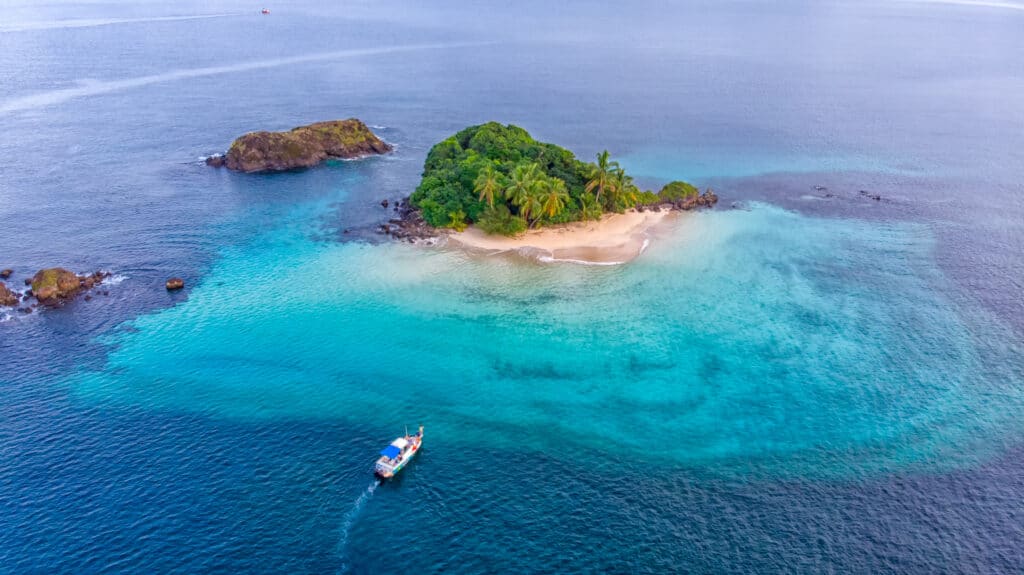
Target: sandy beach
614,239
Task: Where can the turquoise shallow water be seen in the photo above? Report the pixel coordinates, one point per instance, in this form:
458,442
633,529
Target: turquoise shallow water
752,338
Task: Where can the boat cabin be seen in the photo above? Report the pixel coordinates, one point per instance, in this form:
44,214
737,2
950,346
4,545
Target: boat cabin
394,457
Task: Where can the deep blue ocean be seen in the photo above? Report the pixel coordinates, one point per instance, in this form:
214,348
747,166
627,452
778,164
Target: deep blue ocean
802,380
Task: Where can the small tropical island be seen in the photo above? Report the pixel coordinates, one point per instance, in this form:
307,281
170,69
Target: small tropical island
496,188
302,147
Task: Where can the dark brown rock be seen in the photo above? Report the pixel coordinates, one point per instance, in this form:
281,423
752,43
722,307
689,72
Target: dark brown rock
175,284
7,297
6,273
54,286
302,147
705,200
216,160
384,203
409,225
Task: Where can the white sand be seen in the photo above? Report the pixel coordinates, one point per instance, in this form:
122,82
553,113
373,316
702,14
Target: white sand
615,238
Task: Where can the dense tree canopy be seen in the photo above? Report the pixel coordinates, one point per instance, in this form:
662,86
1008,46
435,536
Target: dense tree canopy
505,181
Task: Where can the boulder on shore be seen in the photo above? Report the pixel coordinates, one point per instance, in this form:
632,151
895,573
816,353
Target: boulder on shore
7,297
302,147
705,200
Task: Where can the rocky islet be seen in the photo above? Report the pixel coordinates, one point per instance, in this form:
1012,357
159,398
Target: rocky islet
302,147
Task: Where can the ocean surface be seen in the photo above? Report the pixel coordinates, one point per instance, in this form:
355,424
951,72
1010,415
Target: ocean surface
802,380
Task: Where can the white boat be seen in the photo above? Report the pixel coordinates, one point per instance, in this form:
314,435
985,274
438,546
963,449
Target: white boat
398,454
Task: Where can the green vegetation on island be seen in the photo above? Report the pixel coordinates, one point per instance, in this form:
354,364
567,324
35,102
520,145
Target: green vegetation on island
301,147
501,179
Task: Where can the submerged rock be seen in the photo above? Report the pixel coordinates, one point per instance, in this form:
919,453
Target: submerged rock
6,273
7,297
216,160
302,147
409,225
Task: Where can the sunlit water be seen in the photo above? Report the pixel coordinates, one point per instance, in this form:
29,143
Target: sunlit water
803,379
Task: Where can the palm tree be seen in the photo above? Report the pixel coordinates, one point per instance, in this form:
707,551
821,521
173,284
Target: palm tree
553,196
601,174
521,186
533,206
622,189
488,184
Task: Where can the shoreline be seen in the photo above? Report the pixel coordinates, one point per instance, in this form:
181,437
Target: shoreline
614,239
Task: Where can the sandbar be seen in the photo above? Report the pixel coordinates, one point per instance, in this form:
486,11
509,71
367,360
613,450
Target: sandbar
614,239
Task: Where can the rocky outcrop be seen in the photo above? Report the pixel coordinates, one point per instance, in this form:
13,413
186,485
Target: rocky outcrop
7,297
174,284
409,225
302,147
690,202
54,286
705,200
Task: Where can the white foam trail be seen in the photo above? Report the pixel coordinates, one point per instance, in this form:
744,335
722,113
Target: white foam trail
90,22
96,88
350,519
551,260
973,3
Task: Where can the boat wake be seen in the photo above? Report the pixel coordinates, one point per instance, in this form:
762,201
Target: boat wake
349,521
90,87
90,22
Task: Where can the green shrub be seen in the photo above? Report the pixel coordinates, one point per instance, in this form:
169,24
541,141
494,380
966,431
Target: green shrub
457,220
499,220
675,191
648,198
